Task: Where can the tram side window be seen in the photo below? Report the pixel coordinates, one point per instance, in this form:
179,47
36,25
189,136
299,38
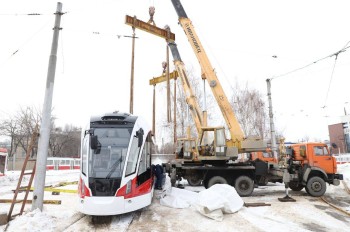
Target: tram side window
144,171
133,157
84,155
143,161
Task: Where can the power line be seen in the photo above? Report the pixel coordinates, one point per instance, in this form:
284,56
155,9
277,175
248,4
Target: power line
303,67
25,14
330,81
99,33
27,41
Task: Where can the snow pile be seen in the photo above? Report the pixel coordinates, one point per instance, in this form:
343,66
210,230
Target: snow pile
10,178
217,200
345,170
33,221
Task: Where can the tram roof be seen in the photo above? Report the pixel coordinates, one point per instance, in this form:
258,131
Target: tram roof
113,118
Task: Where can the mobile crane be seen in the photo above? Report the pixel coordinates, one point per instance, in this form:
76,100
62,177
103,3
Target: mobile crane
189,144
237,143
205,152
307,169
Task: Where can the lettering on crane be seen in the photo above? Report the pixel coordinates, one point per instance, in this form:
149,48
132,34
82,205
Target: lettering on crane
194,40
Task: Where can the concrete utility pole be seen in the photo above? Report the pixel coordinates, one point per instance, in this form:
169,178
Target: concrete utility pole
43,144
272,125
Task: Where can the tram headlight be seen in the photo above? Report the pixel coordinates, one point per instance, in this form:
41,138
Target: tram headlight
82,188
128,187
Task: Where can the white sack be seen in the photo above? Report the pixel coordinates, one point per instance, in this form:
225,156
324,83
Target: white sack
179,198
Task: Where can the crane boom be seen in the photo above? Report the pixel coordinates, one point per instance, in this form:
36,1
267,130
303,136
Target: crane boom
191,99
209,74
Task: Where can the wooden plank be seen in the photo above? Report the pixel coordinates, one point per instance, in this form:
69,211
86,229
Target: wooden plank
134,22
258,204
67,183
60,190
54,202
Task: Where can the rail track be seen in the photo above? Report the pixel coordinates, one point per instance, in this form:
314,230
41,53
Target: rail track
334,203
98,223
346,187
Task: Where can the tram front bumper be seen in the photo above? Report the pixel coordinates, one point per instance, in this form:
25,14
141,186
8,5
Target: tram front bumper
102,206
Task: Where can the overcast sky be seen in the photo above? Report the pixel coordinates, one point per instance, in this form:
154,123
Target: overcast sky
241,39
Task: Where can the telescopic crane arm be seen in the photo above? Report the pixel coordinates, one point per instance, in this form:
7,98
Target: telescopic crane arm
209,74
191,99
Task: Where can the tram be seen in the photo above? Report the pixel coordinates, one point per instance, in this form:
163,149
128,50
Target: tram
3,161
342,158
62,163
115,170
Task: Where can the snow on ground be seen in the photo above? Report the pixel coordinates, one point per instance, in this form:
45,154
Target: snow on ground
306,214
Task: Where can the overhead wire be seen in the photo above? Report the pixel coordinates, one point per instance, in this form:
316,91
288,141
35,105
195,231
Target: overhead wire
314,62
26,41
99,33
336,54
24,14
330,81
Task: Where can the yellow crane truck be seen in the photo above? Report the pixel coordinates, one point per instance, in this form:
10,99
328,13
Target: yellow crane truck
222,165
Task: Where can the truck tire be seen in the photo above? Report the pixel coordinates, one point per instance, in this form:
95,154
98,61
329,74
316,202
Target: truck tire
194,180
295,186
316,186
244,186
216,180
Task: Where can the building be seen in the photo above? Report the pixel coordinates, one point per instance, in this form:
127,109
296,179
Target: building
339,135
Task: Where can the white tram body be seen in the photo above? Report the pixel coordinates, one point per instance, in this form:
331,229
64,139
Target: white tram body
115,168
342,158
62,163
3,161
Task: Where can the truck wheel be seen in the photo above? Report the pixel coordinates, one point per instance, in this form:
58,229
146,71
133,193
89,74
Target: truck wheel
244,186
194,180
316,186
216,180
295,186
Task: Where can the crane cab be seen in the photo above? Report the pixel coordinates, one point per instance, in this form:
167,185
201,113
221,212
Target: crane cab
212,144
115,173
186,148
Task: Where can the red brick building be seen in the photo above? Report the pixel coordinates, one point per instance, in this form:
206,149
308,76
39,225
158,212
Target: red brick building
339,136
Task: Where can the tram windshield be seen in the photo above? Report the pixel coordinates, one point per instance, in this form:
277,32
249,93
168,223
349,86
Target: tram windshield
108,160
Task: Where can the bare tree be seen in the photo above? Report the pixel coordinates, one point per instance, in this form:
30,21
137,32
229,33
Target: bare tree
251,112
65,142
20,127
8,127
27,119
